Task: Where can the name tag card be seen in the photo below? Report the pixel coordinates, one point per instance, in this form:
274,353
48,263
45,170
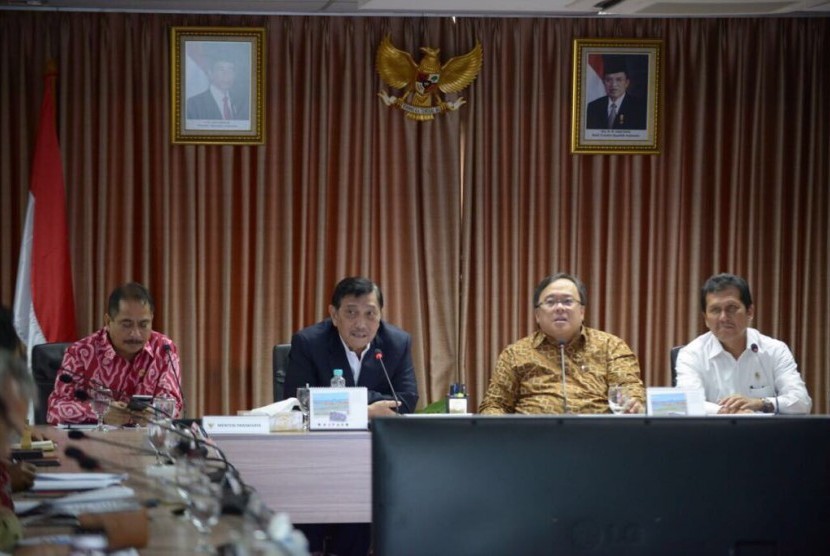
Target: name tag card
236,424
338,409
675,401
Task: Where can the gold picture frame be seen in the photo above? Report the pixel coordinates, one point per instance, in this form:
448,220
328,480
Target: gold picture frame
604,71
217,80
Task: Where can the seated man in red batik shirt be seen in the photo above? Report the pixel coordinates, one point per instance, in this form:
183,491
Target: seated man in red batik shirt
127,356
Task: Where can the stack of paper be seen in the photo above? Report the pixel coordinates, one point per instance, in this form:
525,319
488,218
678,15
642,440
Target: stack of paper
111,498
282,416
45,445
75,481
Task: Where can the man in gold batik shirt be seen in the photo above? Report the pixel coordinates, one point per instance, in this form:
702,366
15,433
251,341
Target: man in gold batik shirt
528,375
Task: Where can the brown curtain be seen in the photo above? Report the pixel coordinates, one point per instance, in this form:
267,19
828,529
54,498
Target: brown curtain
740,186
457,219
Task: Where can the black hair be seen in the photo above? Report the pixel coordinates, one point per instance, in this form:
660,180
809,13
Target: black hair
615,63
720,282
132,291
356,286
548,280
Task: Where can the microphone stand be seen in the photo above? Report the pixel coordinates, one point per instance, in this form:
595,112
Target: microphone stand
564,383
167,348
379,357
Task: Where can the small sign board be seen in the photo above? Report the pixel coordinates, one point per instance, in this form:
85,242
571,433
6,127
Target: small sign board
236,424
675,401
338,408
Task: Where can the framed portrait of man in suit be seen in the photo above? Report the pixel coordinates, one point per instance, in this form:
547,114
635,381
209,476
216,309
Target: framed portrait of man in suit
616,96
217,80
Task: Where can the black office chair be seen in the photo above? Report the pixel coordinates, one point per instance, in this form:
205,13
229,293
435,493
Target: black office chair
674,351
280,363
46,360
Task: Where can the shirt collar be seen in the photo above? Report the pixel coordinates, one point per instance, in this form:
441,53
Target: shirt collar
349,350
540,338
618,102
715,348
219,95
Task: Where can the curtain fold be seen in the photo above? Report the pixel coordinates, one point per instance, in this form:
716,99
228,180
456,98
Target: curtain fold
457,219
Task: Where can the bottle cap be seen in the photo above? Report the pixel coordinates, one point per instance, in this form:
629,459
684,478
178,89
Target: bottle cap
458,390
338,372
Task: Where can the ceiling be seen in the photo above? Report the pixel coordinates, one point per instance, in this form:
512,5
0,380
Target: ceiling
535,8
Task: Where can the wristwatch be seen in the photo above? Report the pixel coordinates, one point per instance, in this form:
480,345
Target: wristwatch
768,407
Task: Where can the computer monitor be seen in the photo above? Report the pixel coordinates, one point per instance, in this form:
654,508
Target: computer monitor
601,485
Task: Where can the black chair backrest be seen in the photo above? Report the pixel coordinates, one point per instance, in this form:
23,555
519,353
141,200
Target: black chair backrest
46,360
674,351
280,363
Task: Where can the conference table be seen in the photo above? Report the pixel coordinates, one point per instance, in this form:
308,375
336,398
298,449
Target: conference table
315,477
168,531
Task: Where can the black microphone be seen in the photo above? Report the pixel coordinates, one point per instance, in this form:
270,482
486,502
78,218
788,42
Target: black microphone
85,462
564,383
75,434
68,376
189,446
379,357
65,378
136,404
135,411
183,446
754,347
167,348
235,491
80,394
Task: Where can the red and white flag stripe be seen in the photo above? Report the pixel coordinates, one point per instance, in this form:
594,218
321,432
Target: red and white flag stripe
595,87
44,306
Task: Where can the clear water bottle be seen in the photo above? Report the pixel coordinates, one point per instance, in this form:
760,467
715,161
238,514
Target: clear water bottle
337,381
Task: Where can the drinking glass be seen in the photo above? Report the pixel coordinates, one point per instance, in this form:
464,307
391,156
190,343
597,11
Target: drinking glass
187,474
204,506
303,398
164,407
617,400
101,401
157,435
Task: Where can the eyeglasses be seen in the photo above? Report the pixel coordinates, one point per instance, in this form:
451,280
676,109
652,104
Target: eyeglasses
551,302
716,310
351,314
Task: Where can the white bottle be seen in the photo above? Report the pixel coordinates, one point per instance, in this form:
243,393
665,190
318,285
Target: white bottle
337,381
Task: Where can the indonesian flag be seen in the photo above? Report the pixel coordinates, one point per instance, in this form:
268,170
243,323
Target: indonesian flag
44,308
593,78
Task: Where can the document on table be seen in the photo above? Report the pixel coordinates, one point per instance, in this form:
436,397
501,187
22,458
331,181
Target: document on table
110,498
75,481
45,445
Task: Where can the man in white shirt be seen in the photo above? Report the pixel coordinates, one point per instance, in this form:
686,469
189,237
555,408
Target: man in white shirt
740,369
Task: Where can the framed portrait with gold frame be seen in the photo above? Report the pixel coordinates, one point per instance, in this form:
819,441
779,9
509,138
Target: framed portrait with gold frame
616,96
217,85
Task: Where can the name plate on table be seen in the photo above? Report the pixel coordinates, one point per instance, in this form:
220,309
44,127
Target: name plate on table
338,409
675,401
236,424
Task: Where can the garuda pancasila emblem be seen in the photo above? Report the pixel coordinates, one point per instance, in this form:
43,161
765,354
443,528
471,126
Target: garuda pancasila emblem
422,82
